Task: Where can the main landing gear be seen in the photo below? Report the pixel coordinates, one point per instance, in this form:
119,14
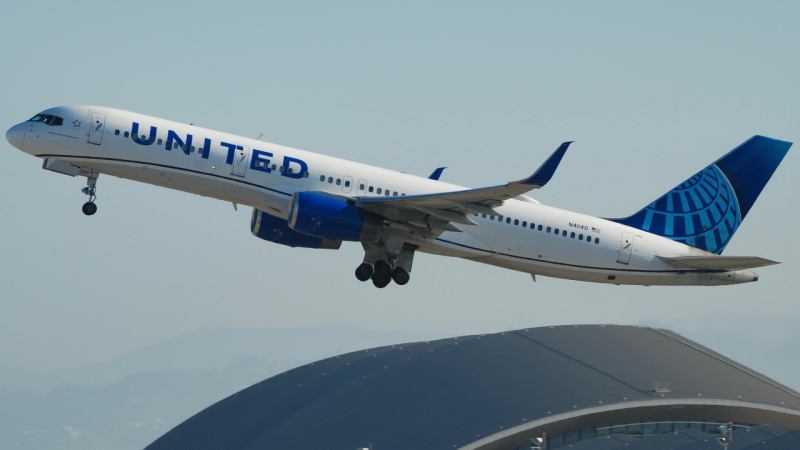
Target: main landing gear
89,208
382,268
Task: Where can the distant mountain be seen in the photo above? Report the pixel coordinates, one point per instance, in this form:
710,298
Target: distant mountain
213,348
128,403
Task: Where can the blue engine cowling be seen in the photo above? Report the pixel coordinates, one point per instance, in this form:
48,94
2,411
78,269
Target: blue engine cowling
331,217
275,229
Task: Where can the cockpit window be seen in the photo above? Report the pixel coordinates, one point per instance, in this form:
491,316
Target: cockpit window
49,119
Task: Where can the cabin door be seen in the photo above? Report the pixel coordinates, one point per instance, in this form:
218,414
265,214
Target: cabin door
97,128
240,159
625,248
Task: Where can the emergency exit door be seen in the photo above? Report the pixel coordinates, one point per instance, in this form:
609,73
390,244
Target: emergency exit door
97,128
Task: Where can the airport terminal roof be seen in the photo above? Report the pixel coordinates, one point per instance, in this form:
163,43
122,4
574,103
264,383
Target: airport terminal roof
491,391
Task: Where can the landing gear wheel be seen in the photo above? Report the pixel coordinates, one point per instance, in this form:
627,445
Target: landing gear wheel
89,208
381,281
383,268
400,276
364,272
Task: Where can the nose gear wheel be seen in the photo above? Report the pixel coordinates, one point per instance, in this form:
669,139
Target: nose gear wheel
89,208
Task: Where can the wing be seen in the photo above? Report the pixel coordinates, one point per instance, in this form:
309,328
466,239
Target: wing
455,206
717,262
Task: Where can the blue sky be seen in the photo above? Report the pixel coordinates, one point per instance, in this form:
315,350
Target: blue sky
651,93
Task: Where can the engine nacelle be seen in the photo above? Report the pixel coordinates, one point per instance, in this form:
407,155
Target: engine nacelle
332,218
275,229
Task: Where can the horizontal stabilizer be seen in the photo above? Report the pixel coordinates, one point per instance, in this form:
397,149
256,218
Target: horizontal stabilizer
717,262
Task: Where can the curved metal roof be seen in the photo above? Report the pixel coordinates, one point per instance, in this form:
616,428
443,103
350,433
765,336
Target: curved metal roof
488,392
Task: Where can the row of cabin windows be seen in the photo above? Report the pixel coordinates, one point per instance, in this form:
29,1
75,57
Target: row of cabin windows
540,227
361,187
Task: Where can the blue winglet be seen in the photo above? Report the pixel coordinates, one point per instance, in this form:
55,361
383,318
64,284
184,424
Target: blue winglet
546,171
437,173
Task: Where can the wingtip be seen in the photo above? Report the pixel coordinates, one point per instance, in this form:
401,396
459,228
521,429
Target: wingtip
548,168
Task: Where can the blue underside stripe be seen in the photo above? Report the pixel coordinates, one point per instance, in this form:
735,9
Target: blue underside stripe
577,265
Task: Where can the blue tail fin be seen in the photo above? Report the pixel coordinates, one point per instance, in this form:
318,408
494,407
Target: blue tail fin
705,210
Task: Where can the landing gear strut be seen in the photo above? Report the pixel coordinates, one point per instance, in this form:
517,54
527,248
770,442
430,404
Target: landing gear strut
89,208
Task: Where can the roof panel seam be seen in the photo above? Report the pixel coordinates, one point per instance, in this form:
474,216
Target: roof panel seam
742,369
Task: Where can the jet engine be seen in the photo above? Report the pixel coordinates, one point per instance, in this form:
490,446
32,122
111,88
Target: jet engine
334,218
275,229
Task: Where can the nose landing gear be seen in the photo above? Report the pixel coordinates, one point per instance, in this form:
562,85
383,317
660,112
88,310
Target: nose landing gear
89,208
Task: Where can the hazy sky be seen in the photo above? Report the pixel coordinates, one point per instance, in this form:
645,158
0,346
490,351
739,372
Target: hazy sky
651,93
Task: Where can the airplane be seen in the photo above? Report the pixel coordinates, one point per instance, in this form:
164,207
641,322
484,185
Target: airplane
309,200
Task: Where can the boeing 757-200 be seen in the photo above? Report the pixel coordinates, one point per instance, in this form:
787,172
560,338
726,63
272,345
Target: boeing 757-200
304,199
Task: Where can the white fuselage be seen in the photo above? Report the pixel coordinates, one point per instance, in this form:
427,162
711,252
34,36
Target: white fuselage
607,253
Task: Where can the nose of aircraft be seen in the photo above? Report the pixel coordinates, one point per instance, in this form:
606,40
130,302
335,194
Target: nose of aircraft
16,135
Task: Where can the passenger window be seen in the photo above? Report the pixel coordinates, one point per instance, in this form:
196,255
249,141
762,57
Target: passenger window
360,187
499,218
274,167
395,193
540,228
491,217
572,235
116,132
379,190
322,178
596,240
388,193
564,233
508,219
305,175
338,180
126,134
371,188
484,215
556,230
192,151
347,183
524,224
160,141
330,180
516,221
281,169
580,238
548,229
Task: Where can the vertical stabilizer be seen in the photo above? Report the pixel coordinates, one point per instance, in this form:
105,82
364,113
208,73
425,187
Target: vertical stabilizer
707,209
